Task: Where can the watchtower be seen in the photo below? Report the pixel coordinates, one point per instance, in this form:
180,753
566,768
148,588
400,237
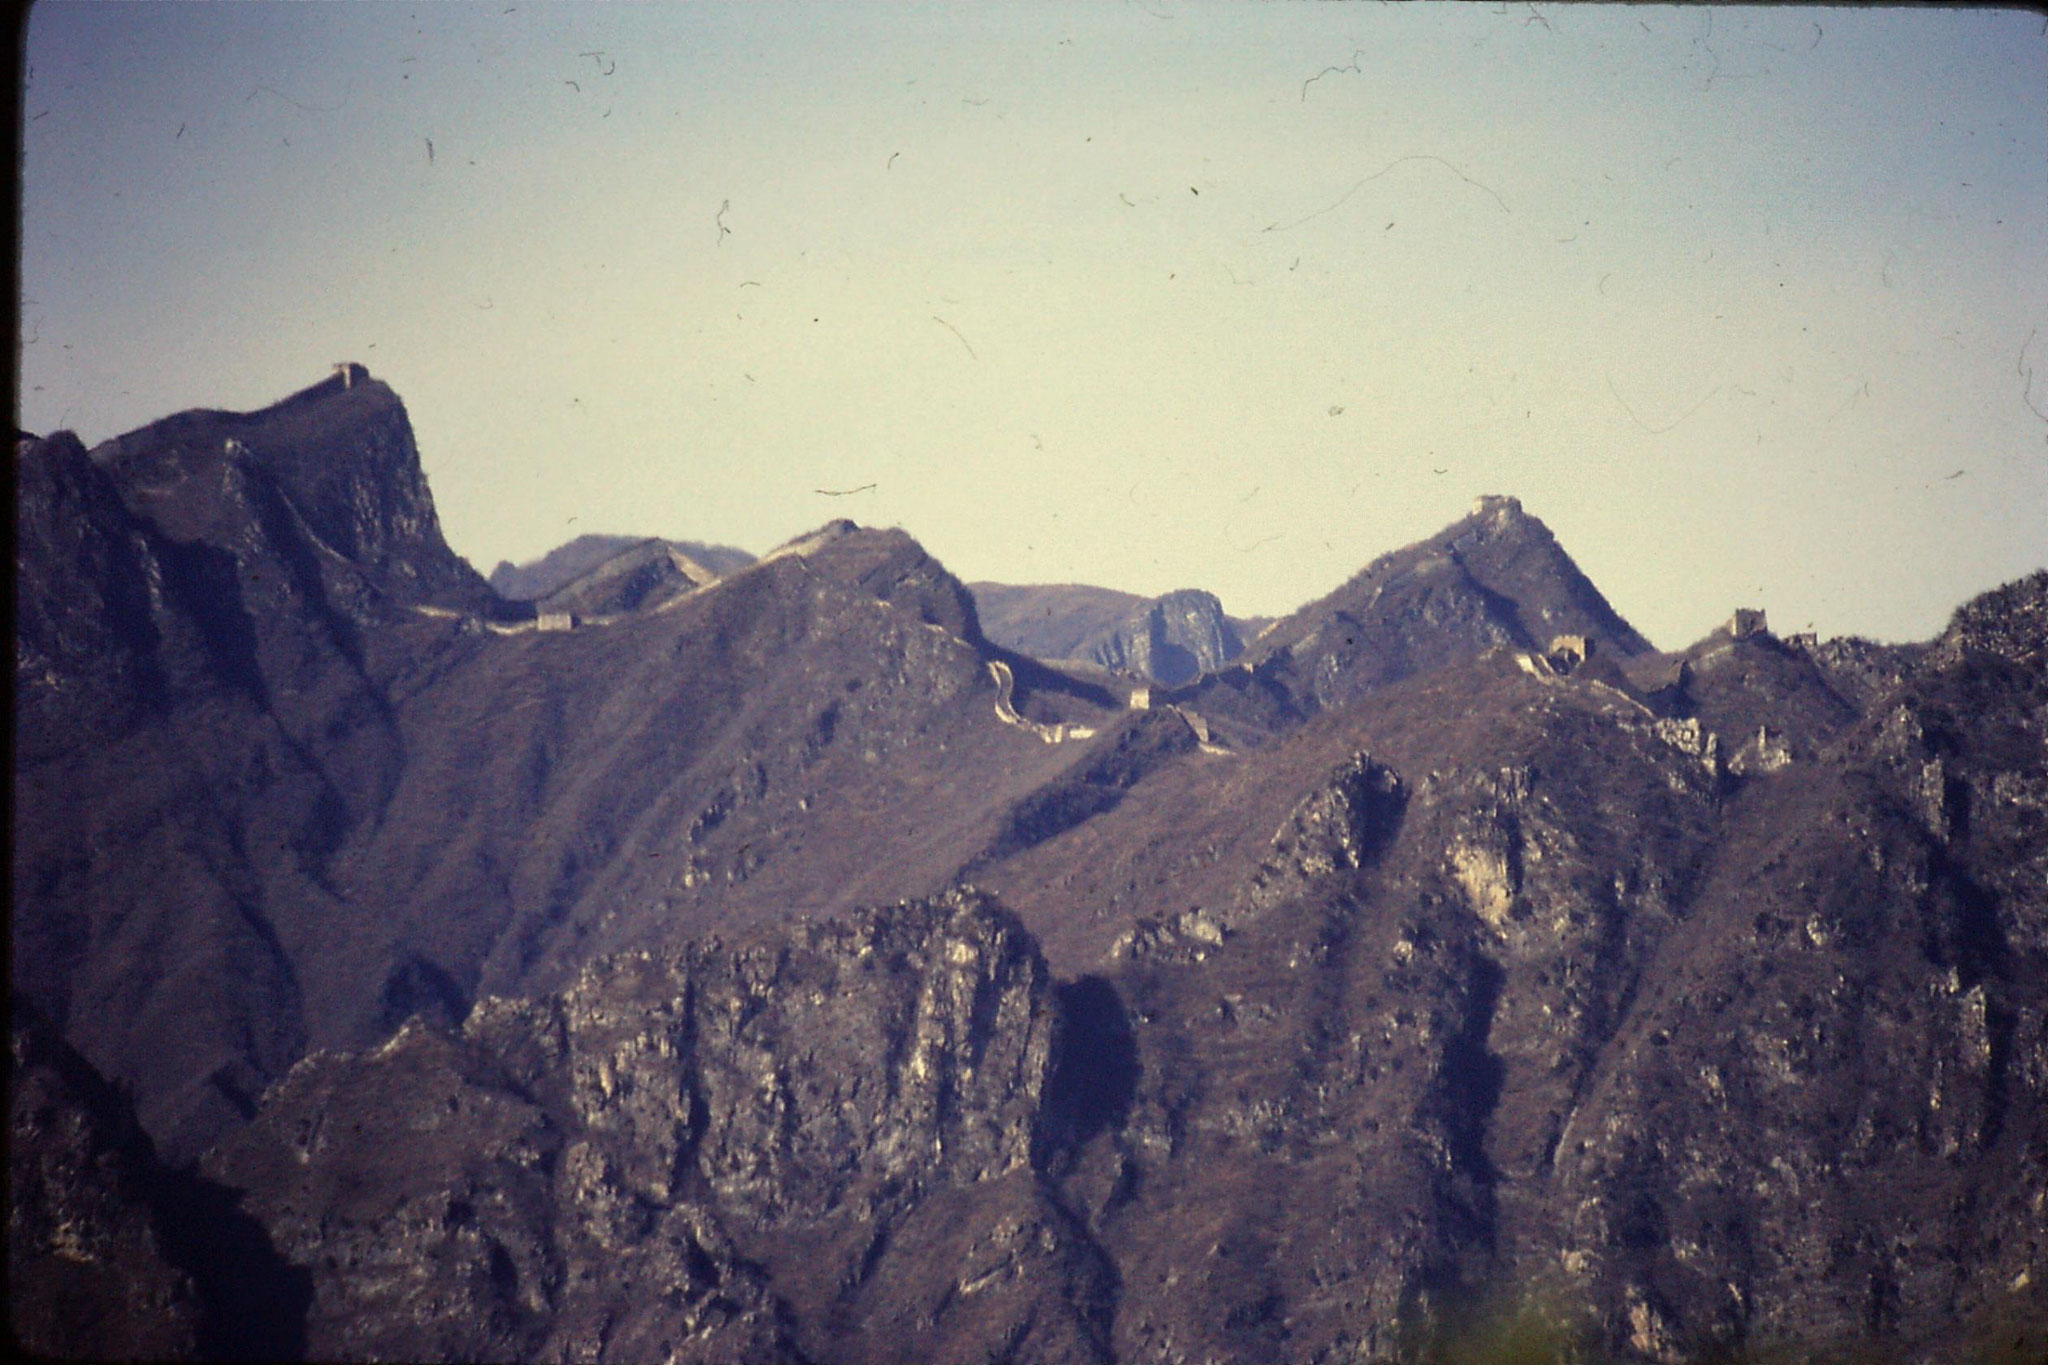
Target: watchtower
1567,652
1746,623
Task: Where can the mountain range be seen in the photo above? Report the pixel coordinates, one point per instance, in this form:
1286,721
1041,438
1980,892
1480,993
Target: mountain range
676,955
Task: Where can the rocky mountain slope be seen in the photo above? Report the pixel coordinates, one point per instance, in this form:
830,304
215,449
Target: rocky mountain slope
1497,579
368,800
774,968
111,1254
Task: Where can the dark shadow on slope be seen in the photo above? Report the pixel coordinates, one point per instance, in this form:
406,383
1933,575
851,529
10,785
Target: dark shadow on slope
288,530
1504,610
254,1301
202,581
1048,812
1142,748
1473,1076
1470,1091
1452,1293
419,986
1963,930
1094,1073
1174,665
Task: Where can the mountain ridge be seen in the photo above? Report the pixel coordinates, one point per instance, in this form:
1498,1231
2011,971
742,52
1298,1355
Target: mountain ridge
775,967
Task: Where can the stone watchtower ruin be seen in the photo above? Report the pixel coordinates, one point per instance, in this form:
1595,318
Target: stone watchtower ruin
1567,652
1746,623
348,371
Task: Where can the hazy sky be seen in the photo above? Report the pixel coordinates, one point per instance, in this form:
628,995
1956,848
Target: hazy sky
1751,306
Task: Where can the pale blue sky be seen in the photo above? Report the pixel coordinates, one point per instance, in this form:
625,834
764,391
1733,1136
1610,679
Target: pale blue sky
1145,295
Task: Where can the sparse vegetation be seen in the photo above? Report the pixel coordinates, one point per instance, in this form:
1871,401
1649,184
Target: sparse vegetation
613,991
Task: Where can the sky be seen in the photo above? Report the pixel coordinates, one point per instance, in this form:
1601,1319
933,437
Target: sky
1750,306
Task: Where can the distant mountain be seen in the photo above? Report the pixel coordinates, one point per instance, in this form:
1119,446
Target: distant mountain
643,576
1049,621
771,965
1175,640
564,564
1170,639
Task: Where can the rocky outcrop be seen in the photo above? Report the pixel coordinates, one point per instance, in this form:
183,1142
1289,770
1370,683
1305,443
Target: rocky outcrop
1175,640
1170,640
210,604
696,1155
1814,1134
329,480
86,1271
1385,1022
265,804
111,1254
88,598
892,568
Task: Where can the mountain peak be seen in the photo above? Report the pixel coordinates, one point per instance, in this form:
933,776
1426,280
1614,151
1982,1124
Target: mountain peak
888,564
332,468
1494,578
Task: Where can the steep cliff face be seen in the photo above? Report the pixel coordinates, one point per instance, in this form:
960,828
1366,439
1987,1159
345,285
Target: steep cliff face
1539,999
330,477
266,803
87,624
87,1275
1171,640
1550,1006
731,1152
113,1255
1355,1054
206,672
1827,1124
1175,640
